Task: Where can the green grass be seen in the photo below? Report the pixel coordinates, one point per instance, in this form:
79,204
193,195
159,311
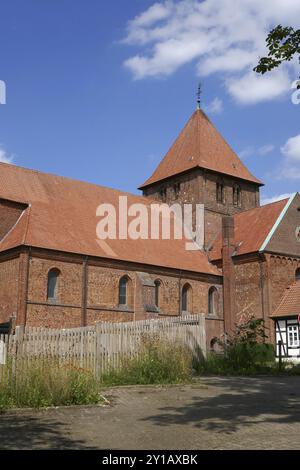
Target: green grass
159,363
46,383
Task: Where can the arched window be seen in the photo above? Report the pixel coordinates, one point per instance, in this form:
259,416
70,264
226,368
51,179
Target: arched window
212,300
157,289
297,274
53,276
236,195
186,298
123,290
220,192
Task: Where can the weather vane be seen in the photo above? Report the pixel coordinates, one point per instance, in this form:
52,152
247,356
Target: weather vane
199,95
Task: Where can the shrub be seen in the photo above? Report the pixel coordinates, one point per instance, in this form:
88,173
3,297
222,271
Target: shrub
240,359
160,362
46,383
244,353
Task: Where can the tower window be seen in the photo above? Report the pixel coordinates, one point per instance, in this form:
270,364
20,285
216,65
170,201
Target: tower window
176,188
163,193
220,192
236,195
297,274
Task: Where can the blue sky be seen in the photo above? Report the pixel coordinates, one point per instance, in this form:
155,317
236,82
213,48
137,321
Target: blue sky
98,90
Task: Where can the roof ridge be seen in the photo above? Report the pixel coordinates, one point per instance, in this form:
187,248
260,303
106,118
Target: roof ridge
54,175
260,207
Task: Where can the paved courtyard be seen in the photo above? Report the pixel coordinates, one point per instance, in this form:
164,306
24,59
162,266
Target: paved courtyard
216,413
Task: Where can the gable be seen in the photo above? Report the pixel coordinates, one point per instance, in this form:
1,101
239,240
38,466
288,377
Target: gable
9,214
286,237
251,229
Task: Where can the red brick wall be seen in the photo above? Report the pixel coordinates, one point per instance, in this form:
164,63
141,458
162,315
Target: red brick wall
69,287
53,316
9,271
248,290
282,274
102,294
214,329
103,286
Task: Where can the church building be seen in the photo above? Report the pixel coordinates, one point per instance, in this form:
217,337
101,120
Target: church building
55,272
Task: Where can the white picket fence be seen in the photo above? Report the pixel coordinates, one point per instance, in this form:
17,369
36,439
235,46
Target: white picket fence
101,346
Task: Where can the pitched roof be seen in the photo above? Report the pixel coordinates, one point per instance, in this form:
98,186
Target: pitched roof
61,215
290,302
251,229
200,145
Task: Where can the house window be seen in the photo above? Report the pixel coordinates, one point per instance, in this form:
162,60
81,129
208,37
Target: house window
186,298
220,192
157,289
236,195
212,301
293,336
297,274
123,291
53,276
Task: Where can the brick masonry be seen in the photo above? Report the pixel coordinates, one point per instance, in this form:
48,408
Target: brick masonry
9,271
102,293
199,187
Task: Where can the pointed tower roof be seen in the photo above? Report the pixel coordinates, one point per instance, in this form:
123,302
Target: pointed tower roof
200,145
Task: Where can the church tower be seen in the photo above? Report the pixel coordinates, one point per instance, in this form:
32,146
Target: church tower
201,167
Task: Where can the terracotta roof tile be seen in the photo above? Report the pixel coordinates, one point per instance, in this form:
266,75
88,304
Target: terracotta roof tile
251,228
62,216
200,145
290,302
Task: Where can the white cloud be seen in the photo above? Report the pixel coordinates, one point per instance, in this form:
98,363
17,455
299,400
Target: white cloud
247,152
214,107
277,197
265,149
225,37
4,157
291,149
252,88
289,172
155,13
290,168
